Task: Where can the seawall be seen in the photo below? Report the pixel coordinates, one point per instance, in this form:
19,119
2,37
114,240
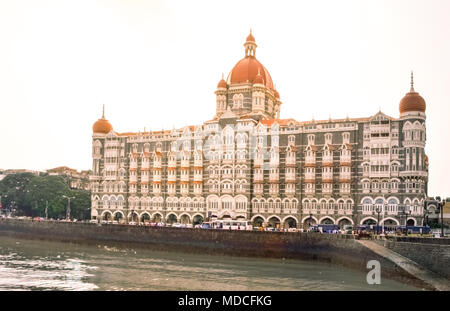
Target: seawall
336,249
430,253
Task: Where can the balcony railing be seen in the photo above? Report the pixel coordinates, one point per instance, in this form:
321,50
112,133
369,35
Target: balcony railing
310,161
327,161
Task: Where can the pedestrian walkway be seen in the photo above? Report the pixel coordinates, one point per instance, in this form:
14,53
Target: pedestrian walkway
429,277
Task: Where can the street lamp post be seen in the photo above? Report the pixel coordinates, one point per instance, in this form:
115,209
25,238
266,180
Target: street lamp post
68,206
378,210
310,218
442,217
46,209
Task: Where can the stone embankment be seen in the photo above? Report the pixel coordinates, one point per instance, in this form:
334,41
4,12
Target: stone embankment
332,248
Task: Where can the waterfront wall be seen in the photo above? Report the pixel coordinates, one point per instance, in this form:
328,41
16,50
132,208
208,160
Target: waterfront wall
335,249
431,253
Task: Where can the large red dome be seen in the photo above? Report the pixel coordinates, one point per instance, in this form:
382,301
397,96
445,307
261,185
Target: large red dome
246,71
102,126
412,101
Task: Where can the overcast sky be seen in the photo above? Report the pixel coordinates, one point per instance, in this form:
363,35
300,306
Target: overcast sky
156,64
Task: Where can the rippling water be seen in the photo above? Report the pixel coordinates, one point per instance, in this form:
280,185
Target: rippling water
42,265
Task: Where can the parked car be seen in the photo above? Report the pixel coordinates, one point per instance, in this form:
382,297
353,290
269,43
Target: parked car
161,224
177,225
189,226
133,223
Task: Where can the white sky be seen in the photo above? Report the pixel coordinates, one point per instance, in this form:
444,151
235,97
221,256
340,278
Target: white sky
156,64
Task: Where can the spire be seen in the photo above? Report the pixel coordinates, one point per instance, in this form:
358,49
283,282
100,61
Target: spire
103,112
412,82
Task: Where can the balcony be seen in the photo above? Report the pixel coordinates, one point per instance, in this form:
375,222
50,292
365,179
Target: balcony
274,178
227,175
157,178
170,178
310,190
327,190
290,178
184,178
345,191
290,191
290,162
258,163
157,164
327,177
240,190
258,191
327,161
198,164
344,178
258,178
172,163
345,161
310,178
198,177
310,161
227,161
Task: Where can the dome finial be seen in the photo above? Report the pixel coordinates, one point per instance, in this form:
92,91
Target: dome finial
250,45
103,112
412,81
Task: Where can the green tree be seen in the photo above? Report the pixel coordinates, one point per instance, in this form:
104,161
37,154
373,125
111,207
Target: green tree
30,194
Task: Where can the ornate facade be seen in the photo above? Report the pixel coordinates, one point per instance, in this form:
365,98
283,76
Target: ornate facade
248,163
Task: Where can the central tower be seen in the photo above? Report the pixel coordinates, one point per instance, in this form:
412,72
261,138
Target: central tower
248,90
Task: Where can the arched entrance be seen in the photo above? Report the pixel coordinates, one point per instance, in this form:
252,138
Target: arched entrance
327,221
157,217
107,216
133,217
118,217
145,218
410,222
309,221
185,219
344,222
258,221
369,222
290,222
198,220
390,222
172,219
273,222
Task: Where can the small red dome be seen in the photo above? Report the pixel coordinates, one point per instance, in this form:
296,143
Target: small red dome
412,101
277,95
222,84
258,79
102,126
